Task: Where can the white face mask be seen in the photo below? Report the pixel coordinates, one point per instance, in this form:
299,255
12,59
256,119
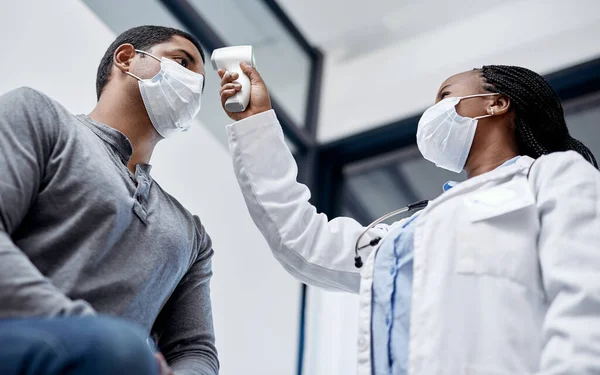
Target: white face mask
444,137
171,97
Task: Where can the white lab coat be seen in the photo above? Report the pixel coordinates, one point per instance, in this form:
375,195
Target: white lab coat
506,266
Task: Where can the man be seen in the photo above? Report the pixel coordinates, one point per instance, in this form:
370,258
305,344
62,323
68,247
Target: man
84,230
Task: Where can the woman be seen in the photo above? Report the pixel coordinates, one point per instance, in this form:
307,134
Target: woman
498,275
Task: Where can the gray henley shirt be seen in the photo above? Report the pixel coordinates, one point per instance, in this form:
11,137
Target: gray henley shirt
80,233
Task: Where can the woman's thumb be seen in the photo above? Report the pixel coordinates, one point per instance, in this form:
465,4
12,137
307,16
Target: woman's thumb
251,72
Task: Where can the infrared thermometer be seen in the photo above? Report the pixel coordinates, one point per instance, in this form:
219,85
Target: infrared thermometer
229,59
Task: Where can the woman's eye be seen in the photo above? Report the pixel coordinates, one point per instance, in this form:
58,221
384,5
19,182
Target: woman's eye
444,94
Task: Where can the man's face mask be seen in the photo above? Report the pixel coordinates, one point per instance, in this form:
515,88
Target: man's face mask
171,97
444,137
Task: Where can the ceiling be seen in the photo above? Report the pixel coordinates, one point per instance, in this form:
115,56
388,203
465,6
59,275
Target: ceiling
345,29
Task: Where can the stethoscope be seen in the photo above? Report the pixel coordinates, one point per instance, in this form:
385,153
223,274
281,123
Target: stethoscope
358,263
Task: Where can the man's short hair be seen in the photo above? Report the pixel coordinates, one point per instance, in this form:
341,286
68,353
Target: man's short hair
141,37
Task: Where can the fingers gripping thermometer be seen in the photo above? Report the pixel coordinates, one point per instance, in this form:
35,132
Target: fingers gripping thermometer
229,59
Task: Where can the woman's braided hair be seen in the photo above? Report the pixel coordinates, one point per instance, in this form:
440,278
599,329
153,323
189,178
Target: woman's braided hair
539,119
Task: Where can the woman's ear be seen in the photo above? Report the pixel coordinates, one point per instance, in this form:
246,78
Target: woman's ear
499,106
123,56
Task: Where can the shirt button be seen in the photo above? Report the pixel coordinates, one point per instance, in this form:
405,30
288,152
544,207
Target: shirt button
362,344
388,321
392,271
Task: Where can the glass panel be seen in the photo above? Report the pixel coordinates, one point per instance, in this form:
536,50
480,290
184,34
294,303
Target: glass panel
424,178
122,15
583,119
375,192
291,146
282,62
385,183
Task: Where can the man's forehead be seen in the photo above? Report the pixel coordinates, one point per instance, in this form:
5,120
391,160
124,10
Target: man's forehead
179,43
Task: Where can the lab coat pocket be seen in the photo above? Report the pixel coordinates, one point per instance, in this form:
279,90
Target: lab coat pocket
499,236
482,370
498,201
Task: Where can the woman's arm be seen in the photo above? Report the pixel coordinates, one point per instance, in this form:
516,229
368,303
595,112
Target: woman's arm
309,246
568,199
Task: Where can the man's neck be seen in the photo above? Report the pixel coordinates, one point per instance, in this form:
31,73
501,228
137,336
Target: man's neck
128,118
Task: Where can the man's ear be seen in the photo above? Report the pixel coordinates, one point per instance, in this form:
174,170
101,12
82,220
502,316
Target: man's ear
500,105
123,56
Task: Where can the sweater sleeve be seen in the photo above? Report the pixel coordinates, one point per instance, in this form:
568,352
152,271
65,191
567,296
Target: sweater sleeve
27,135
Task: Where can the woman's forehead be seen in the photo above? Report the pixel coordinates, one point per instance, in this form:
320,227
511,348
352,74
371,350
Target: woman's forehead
468,78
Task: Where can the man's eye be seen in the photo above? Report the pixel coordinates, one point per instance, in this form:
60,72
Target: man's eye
183,62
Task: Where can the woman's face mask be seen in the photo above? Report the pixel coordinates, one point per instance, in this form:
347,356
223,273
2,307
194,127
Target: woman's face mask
171,97
444,137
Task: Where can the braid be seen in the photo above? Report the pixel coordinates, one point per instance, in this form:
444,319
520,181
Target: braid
539,118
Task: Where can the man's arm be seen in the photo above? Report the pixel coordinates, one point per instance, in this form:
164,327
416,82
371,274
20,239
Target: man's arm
184,328
27,135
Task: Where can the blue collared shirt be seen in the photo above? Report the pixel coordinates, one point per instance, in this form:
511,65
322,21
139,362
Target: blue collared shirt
392,294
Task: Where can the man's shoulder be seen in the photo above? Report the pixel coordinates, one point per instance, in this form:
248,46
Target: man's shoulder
172,201
25,95
26,100
202,236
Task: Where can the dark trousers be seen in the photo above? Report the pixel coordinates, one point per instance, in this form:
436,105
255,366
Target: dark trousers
74,346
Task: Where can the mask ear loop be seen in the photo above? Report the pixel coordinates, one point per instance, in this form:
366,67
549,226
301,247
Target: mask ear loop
477,95
484,116
148,54
134,76
145,53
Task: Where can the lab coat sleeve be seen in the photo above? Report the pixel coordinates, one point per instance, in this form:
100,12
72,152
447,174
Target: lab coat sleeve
568,199
313,249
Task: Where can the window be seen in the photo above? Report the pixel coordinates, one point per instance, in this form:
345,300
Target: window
583,119
282,62
380,185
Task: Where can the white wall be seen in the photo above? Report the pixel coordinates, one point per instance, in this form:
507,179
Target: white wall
55,47
402,80
331,333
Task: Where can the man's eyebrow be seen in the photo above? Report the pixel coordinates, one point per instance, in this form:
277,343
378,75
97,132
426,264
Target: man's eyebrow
189,56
